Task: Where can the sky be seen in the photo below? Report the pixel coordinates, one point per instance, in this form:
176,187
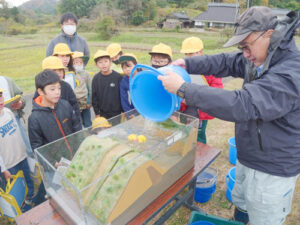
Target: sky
15,2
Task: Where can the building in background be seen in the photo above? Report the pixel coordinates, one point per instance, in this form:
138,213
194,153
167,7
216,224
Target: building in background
176,20
218,15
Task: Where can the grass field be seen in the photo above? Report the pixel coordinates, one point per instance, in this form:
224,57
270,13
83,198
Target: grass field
21,58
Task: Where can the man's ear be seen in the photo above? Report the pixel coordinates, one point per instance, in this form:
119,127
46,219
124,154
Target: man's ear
40,91
269,33
61,26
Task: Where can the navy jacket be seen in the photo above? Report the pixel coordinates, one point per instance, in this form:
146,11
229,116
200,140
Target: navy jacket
44,123
266,111
124,94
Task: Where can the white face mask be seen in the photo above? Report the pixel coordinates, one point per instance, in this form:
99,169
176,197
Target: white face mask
69,29
78,68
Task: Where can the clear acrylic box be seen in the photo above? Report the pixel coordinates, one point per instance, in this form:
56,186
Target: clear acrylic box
110,174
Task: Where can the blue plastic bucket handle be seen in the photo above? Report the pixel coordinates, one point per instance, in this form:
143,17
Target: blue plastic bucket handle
149,96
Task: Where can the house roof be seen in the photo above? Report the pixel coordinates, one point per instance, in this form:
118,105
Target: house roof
219,12
179,16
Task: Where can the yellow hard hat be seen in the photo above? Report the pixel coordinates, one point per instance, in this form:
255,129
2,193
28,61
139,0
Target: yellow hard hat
100,122
62,49
128,57
161,49
113,49
52,63
77,54
100,53
191,45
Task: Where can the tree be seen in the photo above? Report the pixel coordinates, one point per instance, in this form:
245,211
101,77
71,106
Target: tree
79,7
4,10
14,12
106,28
138,18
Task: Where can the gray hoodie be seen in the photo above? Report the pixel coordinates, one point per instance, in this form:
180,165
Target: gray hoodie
76,43
266,111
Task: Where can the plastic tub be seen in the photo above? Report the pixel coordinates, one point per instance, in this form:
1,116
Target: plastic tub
149,96
206,185
232,151
196,216
230,180
202,222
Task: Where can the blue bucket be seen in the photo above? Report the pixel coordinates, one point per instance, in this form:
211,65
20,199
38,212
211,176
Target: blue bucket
202,222
232,150
149,96
230,180
206,185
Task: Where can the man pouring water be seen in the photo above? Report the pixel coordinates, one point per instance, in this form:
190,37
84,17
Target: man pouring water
266,111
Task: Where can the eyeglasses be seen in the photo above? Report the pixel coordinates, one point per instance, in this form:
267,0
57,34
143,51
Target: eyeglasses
245,46
160,62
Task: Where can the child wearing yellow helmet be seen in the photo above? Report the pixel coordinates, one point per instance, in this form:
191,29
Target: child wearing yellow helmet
193,46
161,55
83,90
99,124
62,51
115,52
106,87
55,64
128,61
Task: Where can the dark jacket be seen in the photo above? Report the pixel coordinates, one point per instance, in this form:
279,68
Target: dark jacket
76,43
67,94
106,99
266,111
125,95
44,123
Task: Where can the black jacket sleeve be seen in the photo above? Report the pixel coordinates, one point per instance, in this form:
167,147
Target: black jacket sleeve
94,96
73,101
221,65
76,124
34,133
268,98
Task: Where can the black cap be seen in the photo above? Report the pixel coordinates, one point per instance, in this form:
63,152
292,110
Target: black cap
256,18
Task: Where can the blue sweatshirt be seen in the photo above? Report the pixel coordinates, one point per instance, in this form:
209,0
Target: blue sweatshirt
125,95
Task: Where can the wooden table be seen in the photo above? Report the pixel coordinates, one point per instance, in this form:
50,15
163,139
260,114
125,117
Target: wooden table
44,214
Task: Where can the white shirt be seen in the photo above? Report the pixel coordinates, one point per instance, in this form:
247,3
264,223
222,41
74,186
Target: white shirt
12,147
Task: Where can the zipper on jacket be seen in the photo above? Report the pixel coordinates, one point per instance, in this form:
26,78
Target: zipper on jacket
259,134
63,134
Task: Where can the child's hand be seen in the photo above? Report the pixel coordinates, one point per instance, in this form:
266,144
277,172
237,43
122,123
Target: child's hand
17,105
179,62
57,164
7,175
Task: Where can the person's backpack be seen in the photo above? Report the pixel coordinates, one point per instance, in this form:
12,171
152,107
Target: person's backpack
13,197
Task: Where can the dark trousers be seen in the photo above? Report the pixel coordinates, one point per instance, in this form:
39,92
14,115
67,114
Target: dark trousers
86,118
201,132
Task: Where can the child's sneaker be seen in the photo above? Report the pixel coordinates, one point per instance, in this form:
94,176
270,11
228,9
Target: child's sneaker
27,205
